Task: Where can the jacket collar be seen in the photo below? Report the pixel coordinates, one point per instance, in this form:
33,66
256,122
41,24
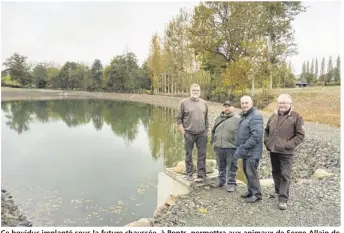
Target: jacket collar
247,113
289,112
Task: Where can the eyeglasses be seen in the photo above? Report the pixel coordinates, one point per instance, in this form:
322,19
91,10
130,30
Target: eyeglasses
284,103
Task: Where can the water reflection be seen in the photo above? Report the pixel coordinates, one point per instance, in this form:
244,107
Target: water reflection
67,162
124,119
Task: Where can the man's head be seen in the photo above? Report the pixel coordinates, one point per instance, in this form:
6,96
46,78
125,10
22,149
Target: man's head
284,103
227,107
195,91
246,103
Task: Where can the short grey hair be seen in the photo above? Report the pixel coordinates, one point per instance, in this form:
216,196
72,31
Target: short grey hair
246,97
195,85
285,96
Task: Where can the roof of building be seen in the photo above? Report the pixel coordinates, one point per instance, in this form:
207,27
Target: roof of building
301,83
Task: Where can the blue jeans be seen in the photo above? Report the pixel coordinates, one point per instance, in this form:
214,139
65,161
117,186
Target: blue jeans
228,165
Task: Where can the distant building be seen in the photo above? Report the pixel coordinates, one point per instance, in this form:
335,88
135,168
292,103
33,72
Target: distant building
301,84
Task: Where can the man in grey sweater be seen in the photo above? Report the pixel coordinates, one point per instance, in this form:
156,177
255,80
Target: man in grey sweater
223,140
192,120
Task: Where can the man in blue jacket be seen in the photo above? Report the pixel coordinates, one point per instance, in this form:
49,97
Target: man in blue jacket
250,147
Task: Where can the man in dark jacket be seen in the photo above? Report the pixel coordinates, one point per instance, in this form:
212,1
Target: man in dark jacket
284,131
223,140
250,147
193,123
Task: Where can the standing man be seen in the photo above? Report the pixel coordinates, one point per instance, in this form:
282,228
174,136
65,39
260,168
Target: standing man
284,131
192,120
223,140
250,147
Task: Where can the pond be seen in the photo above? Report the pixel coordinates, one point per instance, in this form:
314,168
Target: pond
87,162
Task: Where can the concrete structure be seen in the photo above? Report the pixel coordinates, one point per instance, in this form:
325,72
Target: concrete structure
173,183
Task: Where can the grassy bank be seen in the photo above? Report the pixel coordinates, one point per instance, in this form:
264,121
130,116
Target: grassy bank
316,104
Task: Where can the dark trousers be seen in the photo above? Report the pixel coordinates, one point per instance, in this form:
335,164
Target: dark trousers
250,167
201,145
281,171
228,165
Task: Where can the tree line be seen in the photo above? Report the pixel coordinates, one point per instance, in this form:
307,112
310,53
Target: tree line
226,47
313,74
229,48
123,74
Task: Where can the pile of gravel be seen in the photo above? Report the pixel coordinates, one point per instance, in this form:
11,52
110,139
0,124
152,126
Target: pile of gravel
320,149
10,215
312,204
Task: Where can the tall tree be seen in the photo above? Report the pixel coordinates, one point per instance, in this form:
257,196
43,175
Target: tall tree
277,23
337,71
329,75
316,69
97,73
307,67
155,65
40,75
322,68
304,68
312,67
18,68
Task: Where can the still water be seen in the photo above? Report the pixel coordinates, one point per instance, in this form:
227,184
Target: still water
86,162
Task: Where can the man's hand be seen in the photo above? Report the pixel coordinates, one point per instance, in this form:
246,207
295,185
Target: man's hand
239,153
181,129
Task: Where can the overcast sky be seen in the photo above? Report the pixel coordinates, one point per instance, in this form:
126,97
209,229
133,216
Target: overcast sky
82,31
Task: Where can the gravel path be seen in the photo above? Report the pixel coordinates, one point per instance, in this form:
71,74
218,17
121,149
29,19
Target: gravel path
312,203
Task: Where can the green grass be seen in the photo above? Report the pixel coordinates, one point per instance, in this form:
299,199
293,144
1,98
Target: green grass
7,80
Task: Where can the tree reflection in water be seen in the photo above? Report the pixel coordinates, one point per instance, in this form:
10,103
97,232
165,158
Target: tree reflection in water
124,118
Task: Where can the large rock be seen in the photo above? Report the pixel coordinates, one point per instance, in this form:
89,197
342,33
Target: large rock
171,200
266,182
210,166
159,210
180,167
320,174
240,182
143,222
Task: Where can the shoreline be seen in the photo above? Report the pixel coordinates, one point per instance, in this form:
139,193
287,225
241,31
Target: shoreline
11,94
320,150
